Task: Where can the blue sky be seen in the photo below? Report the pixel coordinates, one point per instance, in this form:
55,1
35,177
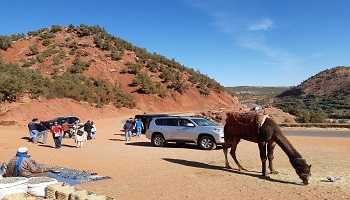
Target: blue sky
235,42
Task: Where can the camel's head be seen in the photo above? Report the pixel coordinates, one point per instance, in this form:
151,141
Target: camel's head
302,169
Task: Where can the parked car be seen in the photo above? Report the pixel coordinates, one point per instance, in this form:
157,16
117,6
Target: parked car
60,120
206,134
146,119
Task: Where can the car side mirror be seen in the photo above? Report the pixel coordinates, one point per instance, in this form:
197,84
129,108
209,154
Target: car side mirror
190,125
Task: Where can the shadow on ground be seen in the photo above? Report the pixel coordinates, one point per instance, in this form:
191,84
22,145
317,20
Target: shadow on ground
222,168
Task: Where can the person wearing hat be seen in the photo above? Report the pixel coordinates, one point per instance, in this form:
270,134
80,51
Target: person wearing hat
22,165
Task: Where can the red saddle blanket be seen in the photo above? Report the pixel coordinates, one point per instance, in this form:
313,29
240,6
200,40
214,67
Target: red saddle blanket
242,124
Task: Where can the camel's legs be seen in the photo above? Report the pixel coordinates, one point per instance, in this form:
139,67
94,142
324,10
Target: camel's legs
263,157
225,149
270,150
233,154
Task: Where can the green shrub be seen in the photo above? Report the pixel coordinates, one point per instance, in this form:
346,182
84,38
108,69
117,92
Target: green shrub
40,58
145,82
161,90
34,49
56,60
16,37
203,89
70,28
73,45
5,42
134,68
46,42
55,28
122,99
29,62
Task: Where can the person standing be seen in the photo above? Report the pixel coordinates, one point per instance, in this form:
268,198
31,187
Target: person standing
75,128
139,126
56,131
87,128
22,165
80,137
42,131
93,130
128,130
66,130
33,130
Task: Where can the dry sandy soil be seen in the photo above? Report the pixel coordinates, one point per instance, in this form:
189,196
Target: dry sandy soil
141,171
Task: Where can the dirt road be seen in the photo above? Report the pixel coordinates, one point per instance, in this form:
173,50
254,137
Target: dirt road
141,171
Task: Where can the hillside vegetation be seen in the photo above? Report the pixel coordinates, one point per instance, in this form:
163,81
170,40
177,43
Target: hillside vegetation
325,95
87,64
257,94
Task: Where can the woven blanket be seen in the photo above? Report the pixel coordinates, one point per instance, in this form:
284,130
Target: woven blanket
244,123
73,176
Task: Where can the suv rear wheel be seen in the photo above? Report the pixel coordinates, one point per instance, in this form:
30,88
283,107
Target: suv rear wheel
158,140
207,143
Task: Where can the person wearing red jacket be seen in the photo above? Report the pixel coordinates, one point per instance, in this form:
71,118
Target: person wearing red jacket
56,131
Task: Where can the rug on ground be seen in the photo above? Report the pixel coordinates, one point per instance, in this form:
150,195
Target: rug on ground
72,176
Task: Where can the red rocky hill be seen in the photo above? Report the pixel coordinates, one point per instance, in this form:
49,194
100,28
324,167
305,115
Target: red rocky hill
103,66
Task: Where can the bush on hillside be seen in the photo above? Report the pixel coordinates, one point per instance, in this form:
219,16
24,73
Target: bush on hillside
34,49
5,42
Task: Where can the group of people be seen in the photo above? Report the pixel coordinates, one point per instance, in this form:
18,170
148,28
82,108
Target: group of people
129,126
22,164
78,131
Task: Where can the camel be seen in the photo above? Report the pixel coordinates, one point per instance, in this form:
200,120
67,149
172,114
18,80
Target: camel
252,127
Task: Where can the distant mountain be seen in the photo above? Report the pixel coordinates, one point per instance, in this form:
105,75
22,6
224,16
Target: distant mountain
333,83
327,93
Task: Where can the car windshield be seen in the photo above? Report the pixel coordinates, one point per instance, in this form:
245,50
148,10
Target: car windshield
203,122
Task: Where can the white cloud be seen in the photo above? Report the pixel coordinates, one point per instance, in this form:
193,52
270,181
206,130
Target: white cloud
264,24
287,62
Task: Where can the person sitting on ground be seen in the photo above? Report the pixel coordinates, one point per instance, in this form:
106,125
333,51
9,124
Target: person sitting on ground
22,165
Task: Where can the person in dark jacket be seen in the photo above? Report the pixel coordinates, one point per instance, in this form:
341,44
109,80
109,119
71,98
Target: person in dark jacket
33,131
87,127
128,127
42,131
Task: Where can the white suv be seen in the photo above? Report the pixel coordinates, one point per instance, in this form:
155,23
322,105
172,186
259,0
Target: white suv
206,134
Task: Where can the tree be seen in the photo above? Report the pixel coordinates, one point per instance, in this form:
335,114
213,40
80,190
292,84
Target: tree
5,42
11,87
145,82
34,49
318,116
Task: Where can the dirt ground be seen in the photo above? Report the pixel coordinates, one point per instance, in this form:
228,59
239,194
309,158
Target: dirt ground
141,171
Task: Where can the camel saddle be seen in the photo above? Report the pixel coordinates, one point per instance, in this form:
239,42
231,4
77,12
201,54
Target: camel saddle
245,123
